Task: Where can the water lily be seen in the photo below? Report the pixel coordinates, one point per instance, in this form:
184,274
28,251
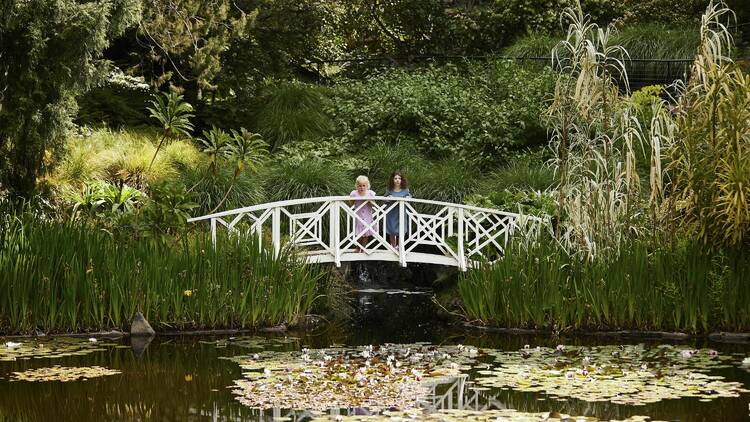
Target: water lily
12,345
746,362
92,340
687,353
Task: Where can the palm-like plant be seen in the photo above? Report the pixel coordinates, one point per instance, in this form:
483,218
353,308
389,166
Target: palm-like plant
245,151
174,114
215,145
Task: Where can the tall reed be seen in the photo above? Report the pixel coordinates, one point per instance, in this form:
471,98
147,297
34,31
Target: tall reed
70,278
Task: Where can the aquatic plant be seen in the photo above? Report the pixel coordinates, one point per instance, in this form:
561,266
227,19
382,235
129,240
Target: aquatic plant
666,287
62,373
97,282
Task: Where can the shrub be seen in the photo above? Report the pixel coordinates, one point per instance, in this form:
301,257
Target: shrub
292,111
472,113
209,187
526,172
447,181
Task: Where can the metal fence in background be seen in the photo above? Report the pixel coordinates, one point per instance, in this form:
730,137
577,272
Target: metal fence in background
641,72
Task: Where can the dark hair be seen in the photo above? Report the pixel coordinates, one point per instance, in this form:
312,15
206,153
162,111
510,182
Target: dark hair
404,183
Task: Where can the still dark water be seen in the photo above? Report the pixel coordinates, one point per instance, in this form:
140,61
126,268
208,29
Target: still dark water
187,378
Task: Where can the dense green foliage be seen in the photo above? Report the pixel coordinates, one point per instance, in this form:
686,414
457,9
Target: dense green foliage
97,282
468,112
48,53
678,287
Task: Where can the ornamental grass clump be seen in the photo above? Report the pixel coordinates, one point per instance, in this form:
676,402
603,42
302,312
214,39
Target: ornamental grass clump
711,159
596,138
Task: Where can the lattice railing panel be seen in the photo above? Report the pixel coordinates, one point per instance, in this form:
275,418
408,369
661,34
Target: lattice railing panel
325,229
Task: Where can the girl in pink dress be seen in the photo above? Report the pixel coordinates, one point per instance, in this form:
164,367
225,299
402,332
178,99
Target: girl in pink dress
363,227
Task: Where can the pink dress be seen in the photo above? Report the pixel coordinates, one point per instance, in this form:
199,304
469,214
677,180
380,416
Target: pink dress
364,212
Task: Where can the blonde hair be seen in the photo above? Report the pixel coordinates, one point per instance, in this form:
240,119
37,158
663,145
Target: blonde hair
362,179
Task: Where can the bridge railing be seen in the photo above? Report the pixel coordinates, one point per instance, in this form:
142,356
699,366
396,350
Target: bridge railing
326,229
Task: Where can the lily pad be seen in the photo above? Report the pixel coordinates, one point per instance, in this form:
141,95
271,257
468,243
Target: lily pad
631,375
62,373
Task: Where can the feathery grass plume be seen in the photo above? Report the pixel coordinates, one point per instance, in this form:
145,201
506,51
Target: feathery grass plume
711,159
596,137
293,111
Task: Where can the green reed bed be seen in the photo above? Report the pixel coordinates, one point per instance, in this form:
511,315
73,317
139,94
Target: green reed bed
71,278
676,287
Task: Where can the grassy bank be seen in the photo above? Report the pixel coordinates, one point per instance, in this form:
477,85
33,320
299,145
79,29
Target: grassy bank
61,278
675,287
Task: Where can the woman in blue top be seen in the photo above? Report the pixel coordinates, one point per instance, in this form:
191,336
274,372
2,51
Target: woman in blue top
397,187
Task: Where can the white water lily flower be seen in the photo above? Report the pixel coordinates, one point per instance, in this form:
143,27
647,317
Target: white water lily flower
366,354
460,347
473,351
92,340
746,362
12,345
526,347
256,356
687,354
266,372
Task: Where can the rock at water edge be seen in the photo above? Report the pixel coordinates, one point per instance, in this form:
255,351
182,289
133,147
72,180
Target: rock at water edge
140,327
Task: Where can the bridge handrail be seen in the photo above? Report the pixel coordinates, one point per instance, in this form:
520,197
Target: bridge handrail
304,201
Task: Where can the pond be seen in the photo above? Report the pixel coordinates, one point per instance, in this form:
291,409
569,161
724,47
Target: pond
393,354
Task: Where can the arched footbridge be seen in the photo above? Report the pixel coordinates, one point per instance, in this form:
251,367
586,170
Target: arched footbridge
325,229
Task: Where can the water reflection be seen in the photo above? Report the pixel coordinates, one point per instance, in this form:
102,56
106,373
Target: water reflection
191,378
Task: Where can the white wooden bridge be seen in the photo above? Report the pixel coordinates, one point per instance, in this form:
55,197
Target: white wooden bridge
323,229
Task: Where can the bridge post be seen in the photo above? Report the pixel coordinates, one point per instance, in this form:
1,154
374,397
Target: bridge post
460,251
402,229
276,231
334,233
213,232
